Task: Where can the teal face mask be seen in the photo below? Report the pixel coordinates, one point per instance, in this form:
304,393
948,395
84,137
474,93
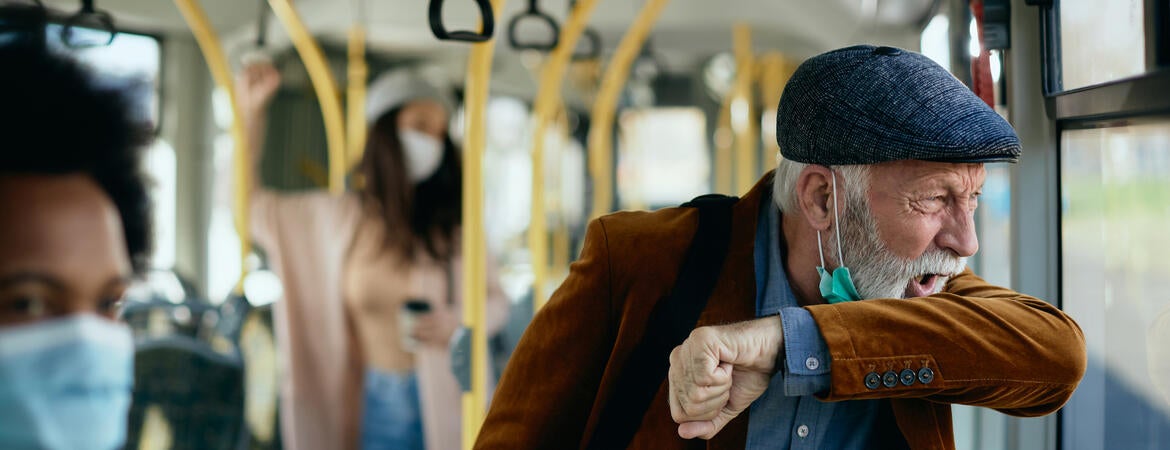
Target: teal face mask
836,287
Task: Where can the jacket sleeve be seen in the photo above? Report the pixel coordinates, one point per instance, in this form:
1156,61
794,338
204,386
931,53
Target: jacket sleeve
973,344
546,393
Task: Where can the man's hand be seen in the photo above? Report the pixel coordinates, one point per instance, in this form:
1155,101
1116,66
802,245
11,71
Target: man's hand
719,371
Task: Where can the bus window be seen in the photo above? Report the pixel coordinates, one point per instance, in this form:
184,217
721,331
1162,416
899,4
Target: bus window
664,158
1092,53
1115,196
134,60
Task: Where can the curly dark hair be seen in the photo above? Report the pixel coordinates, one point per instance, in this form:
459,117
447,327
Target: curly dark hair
55,118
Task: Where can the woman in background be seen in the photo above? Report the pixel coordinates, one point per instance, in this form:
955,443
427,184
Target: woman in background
361,370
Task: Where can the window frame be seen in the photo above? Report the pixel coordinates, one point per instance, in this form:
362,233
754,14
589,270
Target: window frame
1126,97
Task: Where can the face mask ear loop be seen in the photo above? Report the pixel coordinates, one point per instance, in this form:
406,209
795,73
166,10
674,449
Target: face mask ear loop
837,225
820,249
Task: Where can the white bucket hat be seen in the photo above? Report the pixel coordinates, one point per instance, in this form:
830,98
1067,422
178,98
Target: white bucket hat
398,87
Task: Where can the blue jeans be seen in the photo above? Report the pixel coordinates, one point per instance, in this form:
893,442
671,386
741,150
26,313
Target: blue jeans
393,417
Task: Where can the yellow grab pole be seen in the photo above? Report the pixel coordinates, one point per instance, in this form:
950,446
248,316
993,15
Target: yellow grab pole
323,84
560,235
772,80
221,72
605,106
479,67
355,89
548,98
724,138
744,122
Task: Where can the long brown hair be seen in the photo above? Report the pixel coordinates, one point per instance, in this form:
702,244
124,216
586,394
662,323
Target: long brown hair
427,213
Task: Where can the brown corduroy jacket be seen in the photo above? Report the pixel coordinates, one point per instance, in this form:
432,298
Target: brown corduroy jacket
986,345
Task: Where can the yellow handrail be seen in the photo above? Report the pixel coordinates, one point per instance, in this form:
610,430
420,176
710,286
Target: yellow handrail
605,106
559,266
724,139
326,88
479,66
548,97
746,134
221,72
355,102
772,78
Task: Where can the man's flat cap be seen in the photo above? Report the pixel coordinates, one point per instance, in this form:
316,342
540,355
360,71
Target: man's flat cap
866,105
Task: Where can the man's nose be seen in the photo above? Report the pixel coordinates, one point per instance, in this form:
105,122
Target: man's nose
958,234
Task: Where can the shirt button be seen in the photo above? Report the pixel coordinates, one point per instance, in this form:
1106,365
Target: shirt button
926,375
812,363
873,380
907,377
802,431
890,379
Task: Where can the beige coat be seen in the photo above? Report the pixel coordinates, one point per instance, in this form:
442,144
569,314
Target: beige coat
306,237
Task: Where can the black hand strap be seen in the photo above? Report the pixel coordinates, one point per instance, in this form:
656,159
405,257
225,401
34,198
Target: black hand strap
670,323
534,12
487,15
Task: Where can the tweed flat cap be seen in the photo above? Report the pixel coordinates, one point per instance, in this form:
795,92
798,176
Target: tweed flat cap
866,105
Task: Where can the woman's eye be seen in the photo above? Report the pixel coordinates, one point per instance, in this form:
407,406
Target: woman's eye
29,307
110,306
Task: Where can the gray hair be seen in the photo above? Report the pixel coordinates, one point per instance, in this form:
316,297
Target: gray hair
854,179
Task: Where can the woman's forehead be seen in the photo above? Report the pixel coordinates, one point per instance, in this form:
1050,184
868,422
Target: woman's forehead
63,224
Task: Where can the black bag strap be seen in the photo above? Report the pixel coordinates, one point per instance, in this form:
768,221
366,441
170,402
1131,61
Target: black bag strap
671,321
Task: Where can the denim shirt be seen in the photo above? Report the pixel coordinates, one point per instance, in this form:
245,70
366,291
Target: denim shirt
787,416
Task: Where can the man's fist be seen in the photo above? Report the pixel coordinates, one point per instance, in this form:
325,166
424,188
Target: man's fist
719,371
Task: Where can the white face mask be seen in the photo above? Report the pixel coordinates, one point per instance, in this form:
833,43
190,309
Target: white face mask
65,383
423,154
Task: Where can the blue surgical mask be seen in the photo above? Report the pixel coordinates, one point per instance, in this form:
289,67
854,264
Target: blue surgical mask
65,384
836,287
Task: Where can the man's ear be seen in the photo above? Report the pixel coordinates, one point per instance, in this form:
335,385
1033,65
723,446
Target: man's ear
814,191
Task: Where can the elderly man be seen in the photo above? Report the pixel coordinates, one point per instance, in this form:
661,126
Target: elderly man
874,199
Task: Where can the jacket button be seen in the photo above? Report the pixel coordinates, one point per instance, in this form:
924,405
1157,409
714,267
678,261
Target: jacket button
926,375
890,379
872,380
906,377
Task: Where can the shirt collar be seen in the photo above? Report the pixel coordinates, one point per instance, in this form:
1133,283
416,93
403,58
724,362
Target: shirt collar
772,289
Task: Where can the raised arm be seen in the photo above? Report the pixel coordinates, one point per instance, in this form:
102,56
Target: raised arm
256,85
983,345
974,344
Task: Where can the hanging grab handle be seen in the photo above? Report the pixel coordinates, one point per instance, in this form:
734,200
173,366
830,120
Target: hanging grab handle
435,15
90,17
535,13
593,51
